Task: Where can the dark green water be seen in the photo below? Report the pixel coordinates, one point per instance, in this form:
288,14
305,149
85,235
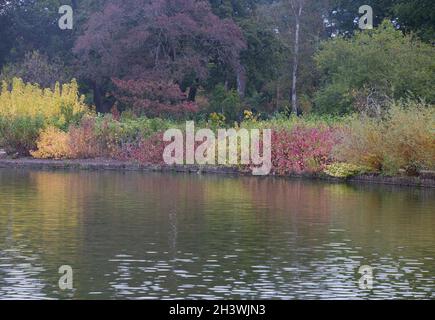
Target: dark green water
163,236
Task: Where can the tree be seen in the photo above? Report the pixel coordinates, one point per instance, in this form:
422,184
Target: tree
5,22
154,98
417,16
234,8
29,25
263,60
343,15
37,68
373,67
297,8
299,25
409,15
260,61
159,40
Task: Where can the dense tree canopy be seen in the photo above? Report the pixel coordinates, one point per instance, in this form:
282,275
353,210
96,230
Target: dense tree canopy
409,15
28,25
157,40
262,49
38,68
381,64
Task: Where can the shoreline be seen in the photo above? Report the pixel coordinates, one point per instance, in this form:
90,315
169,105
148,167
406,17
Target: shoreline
426,180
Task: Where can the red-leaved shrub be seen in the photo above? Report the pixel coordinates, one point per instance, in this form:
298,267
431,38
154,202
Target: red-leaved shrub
83,140
145,151
302,149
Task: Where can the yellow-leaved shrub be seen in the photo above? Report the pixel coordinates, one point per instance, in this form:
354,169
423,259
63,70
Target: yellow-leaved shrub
27,99
409,139
52,144
345,170
404,139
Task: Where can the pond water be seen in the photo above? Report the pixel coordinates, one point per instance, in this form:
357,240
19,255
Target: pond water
165,236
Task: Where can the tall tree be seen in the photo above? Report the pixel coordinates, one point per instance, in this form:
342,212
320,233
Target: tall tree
299,24
417,16
355,78
157,40
6,40
409,15
29,25
297,8
260,60
343,15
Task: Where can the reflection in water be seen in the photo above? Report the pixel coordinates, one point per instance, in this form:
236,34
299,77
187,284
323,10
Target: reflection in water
163,236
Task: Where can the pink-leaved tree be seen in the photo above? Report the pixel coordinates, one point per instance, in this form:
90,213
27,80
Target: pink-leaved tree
137,46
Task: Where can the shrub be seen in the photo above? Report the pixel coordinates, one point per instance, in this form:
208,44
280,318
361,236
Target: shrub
216,120
145,151
52,144
249,116
19,134
112,134
409,139
104,136
227,103
25,109
281,121
404,139
84,142
361,143
345,170
60,106
302,149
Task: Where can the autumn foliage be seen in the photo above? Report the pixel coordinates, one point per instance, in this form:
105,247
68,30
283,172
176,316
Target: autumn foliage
156,45
53,144
302,149
154,98
27,99
145,151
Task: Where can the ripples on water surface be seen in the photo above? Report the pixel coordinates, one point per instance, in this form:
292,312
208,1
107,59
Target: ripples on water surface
163,236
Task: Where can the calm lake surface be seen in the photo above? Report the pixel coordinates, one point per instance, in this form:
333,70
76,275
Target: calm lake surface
163,236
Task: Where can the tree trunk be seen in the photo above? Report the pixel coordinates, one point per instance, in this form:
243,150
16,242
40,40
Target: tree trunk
294,96
241,81
192,92
277,97
98,101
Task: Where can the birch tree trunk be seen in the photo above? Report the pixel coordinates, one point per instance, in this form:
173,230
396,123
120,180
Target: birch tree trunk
297,7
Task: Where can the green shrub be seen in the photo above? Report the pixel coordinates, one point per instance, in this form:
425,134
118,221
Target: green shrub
18,134
112,134
226,102
284,122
